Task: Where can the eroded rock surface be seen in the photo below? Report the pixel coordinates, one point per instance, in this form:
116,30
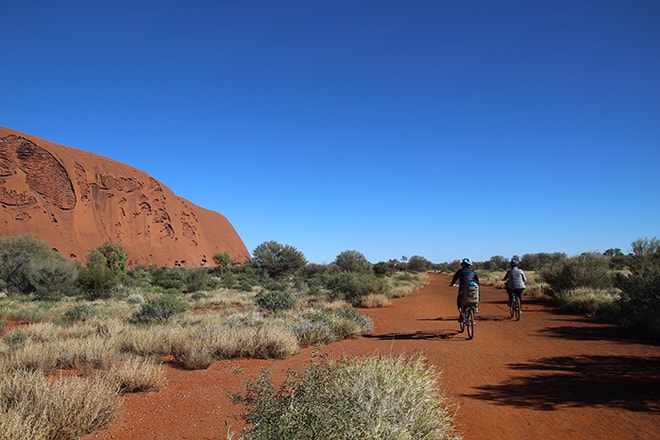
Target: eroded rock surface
76,201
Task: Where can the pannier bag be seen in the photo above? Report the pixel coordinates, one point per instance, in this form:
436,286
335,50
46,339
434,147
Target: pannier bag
471,293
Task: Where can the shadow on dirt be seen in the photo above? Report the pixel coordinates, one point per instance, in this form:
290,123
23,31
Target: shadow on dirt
595,332
417,335
624,382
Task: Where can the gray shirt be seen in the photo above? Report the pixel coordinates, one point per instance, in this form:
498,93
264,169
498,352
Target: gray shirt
515,278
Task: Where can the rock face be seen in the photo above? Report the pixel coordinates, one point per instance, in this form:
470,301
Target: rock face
77,201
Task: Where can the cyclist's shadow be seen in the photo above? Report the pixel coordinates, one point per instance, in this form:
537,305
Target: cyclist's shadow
420,335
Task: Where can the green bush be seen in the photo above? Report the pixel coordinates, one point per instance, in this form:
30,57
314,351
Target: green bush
382,269
197,279
589,270
28,265
352,261
79,312
169,278
105,269
640,297
159,308
275,300
277,260
375,398
352,286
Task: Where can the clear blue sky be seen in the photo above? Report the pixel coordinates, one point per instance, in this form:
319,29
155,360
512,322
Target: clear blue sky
436,128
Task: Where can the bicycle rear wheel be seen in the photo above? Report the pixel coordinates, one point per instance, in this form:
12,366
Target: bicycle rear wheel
512,307
470,323
517,307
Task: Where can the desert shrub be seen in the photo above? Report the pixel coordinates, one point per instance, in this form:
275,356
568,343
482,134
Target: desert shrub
36,407
417,263
159,308
28,265
601,304
352,286
197,279
277,260
640,288
352,261
139,276
312,333
589,270
359,398
145,341
16,339
169,278
264,342
135,298
105,268
137,374
191,351
275,300
79,312
375,300
382,269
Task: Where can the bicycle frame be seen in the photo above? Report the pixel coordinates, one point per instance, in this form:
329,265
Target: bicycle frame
468,313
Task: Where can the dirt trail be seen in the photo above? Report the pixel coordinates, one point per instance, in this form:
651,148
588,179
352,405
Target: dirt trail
549,376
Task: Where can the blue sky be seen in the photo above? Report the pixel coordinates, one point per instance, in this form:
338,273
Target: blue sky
442,129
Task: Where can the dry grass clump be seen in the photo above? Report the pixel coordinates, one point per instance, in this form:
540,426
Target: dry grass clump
33,406
405,283
137,374
376,300
363,398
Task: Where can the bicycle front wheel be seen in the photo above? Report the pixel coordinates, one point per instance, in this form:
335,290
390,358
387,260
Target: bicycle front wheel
470,323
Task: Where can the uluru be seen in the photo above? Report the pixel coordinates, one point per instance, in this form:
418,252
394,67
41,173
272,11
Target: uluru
76,201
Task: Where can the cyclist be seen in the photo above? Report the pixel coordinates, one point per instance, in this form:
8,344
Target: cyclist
514,280
464,275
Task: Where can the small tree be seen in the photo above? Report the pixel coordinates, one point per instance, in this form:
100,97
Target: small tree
418,264
352,261
105,268
223,260
277,260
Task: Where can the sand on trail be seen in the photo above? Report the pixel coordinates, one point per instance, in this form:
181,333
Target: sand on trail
549,376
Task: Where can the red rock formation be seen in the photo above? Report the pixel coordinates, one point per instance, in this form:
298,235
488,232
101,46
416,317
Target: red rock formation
76,201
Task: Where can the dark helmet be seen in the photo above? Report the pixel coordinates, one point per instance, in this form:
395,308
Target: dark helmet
514,262
466,262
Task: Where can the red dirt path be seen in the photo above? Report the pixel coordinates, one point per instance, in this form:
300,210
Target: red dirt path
549,376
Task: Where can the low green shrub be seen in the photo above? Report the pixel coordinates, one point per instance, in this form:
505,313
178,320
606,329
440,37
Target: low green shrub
159,308
352,286
275,300
79,312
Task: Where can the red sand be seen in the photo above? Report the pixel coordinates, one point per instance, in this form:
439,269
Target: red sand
549,376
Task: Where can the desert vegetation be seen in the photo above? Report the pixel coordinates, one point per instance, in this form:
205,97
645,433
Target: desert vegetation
103,330
372,398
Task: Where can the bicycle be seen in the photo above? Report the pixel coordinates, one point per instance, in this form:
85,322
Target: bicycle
514,308
515,305
467,319
469,308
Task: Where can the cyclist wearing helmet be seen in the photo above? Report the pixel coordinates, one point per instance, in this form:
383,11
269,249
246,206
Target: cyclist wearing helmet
464,275
514,280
